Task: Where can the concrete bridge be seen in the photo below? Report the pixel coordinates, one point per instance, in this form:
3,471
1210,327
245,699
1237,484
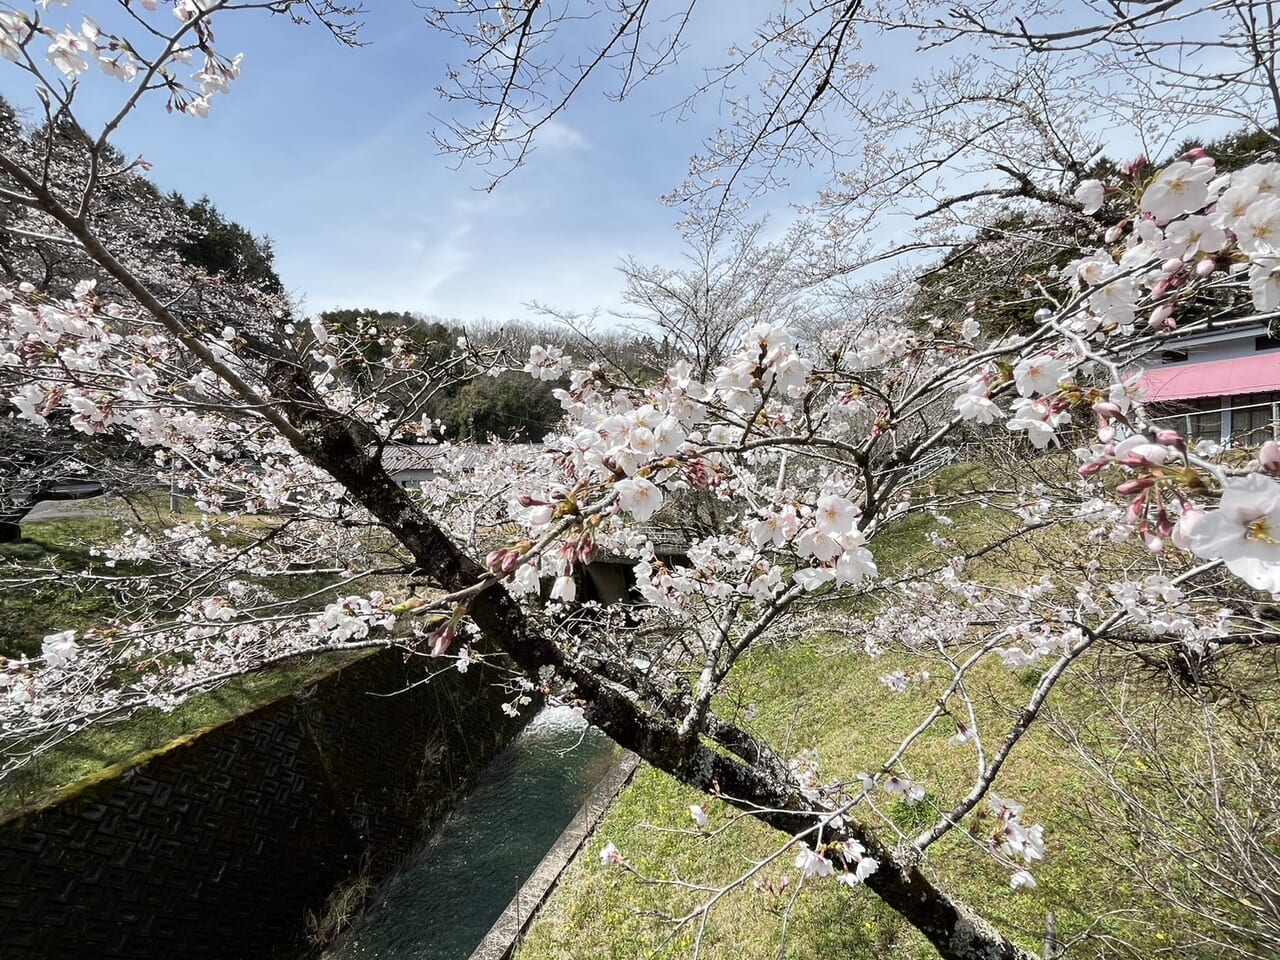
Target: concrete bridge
610,578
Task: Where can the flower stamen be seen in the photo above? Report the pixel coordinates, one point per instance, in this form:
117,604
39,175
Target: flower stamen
1259,531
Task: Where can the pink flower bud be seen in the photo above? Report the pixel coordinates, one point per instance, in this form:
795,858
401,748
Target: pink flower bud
1106,409
1196,153
1106,433
1170,438
441,640
1160,314
1135,511
1152,542
1092,467
495,560
1206,267
1172,265
1269,456
1130,487
1148,455
1134,166
1115,231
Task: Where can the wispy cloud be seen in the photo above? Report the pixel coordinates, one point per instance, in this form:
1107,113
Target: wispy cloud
555,134
343,174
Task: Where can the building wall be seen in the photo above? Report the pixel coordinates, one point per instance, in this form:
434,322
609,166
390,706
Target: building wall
221,845
1248,419
412,478
1224,350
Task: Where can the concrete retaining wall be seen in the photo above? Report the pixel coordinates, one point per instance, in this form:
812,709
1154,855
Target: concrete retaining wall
501,940
220,845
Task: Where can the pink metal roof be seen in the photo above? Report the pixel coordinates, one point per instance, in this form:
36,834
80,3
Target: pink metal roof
1217,378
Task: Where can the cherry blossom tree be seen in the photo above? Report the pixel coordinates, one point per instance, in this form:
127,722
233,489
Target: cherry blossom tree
813,453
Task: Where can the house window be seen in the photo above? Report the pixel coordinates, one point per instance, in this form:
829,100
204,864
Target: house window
1204,418
1266,343
1173,356
1253,418
1196,419
1206,424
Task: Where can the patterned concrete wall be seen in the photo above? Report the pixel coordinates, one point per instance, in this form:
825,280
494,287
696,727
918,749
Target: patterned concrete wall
220,846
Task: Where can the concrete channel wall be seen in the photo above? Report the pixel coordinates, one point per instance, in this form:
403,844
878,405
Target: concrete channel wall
501,941
222,844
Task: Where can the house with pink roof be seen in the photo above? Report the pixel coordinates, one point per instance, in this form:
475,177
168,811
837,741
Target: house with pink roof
1221,385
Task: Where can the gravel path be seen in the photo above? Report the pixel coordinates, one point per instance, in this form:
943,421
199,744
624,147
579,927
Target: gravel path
69,510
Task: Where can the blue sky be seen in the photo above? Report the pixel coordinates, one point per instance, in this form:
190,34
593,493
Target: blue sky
328,150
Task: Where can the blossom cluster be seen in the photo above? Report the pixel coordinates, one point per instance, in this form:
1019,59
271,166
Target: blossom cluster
1192,227
1013,838
779,467
73,51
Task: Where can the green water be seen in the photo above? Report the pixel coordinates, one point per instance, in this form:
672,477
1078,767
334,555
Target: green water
444,903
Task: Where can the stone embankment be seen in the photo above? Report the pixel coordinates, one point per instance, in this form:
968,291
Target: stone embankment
222,844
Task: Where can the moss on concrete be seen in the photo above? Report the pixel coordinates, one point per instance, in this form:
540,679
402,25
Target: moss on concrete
103,752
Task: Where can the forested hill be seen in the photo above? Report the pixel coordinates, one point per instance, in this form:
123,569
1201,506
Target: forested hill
998,273
175,237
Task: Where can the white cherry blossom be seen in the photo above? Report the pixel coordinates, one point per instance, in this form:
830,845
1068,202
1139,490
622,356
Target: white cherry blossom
1178,189
1258,231
69,52
978,408
813,864
60,649
1039,374
1090,195
1243,531
638,497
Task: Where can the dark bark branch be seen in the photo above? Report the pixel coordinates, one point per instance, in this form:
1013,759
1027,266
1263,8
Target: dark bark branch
953,928
759,786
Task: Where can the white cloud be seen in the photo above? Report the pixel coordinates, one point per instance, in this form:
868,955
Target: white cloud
555,134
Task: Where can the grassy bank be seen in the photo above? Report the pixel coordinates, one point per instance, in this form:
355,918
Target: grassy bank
51,601
823,693
814,695
47,594
102,748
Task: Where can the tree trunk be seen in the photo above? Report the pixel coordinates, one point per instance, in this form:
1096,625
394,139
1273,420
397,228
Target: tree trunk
331,441
954,929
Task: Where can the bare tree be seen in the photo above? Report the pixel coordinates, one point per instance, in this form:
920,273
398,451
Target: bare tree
700,313
1191,810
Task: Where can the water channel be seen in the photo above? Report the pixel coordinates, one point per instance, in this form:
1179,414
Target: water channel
446,900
